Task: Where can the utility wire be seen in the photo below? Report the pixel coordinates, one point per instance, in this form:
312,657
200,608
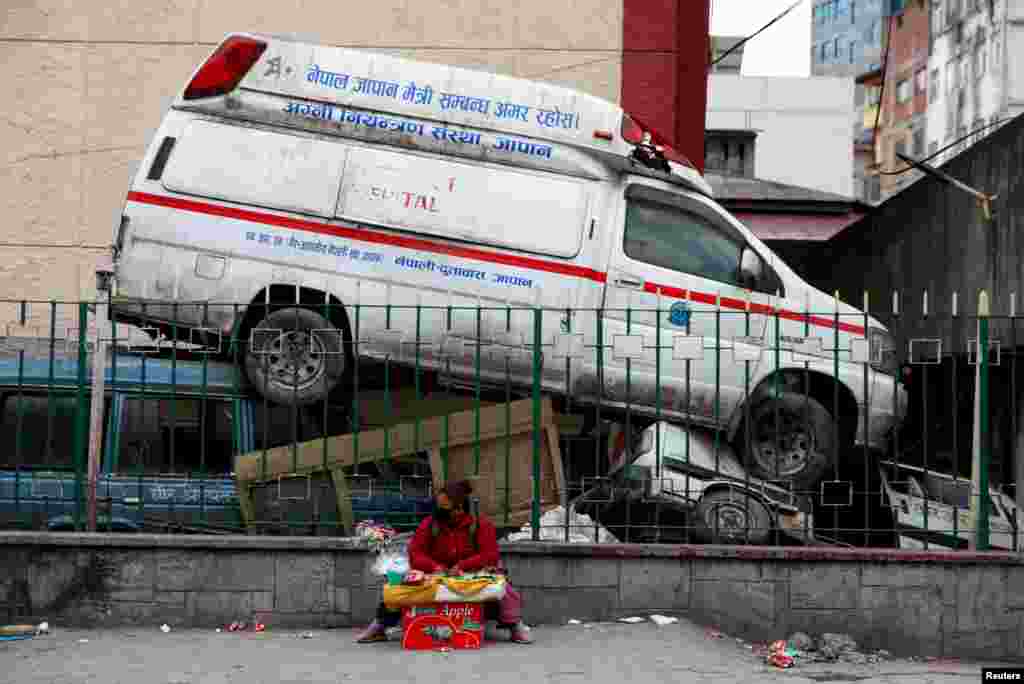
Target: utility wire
936,153
743,42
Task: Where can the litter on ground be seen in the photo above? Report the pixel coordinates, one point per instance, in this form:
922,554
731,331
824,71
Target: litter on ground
662,620
574,622
165,628
631,620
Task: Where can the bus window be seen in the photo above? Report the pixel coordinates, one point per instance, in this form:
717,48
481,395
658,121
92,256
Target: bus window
176,437
47,429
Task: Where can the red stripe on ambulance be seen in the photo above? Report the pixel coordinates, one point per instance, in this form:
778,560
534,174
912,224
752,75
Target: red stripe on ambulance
505,259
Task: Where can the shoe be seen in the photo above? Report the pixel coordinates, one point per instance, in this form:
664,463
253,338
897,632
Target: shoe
521,634
372,634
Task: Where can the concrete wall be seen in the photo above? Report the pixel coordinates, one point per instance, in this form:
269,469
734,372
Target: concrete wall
958,604
790,114
87,83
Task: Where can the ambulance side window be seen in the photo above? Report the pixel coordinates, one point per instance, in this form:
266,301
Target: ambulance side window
672,238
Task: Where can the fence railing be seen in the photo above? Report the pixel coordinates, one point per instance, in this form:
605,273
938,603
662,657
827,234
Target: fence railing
683,421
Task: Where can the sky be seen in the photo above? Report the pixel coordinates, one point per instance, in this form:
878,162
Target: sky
782,50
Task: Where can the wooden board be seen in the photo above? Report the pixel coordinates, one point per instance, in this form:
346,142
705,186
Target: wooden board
454,430
497,488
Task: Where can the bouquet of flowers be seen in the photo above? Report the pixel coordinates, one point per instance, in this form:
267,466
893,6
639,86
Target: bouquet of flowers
378,536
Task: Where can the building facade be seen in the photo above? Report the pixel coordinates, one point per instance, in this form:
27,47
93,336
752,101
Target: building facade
88,84
802,127
847,39
902,121
975,74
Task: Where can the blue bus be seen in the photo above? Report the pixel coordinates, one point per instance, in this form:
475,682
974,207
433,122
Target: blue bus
172,429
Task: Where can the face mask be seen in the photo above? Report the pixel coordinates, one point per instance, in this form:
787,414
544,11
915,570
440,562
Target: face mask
442,514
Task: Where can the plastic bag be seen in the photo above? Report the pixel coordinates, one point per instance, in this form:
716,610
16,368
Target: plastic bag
391,562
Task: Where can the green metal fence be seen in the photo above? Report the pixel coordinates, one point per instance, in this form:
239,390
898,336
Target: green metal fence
692,422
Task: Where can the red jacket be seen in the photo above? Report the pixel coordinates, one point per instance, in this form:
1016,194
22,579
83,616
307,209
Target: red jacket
453,546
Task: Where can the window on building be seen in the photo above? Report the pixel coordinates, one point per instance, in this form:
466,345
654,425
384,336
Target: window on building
874,188
936,17
853,52
952,10
976,127
903,91
842,8
835,48
919,142
935,86
853,11
824,50
920,82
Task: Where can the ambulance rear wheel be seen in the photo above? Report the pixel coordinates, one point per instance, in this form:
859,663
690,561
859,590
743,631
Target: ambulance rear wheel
732,517
295,357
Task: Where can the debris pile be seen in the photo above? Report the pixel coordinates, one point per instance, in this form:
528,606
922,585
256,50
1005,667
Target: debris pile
582,529
829,648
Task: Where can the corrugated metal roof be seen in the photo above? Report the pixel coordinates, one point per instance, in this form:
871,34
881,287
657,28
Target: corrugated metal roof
737,188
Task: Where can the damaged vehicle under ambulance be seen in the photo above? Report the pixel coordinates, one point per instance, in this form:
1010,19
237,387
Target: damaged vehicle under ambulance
674,485
319,205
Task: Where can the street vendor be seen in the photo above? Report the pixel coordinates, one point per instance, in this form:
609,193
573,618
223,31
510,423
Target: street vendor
453,541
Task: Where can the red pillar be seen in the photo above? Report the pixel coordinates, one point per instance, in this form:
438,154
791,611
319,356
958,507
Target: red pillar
665,46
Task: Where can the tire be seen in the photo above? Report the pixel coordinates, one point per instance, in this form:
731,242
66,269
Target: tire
283,367
731,517
803,449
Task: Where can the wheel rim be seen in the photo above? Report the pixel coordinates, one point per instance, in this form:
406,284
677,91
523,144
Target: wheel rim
728,519
295,359
784,447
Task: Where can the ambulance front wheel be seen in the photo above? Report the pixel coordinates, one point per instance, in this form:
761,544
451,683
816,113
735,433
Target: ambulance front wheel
295,357
791,438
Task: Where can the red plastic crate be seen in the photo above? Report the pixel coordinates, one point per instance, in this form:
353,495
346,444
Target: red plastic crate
443,625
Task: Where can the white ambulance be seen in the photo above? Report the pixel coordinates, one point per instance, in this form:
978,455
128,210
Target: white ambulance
322,204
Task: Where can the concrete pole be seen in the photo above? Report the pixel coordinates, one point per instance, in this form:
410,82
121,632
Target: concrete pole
99,367
980,456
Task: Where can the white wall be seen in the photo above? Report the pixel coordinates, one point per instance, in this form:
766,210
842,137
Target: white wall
804,129
998,88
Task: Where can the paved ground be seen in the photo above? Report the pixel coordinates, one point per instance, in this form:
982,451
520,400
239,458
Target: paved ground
595,654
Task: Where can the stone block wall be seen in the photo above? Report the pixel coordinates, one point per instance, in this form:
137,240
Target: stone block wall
911,603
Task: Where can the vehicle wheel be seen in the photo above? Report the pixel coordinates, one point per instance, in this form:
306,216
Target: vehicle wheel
731,517
300,362
791,437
